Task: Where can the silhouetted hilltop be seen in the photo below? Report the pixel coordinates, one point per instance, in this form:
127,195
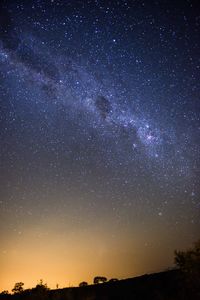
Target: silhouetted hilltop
159,286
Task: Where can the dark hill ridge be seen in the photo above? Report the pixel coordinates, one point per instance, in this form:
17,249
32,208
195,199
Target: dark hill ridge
159,286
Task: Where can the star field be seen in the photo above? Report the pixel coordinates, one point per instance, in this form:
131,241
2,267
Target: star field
100,124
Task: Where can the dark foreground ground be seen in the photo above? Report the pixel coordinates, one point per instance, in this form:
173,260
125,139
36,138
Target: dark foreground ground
159,286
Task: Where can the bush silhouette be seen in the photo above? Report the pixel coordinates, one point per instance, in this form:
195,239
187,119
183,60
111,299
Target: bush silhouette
40,288
113,280
84,283
4,292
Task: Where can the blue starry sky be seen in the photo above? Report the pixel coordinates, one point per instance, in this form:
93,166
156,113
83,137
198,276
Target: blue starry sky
99,137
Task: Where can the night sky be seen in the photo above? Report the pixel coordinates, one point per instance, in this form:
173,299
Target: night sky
99,138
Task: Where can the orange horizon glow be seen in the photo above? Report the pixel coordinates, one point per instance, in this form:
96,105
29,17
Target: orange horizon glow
67,258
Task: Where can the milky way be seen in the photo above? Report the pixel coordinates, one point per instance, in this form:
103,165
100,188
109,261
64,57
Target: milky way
100,123
63,85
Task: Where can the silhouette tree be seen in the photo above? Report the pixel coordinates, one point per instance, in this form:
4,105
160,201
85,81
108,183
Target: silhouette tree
189,263
99,279
39,292
18,288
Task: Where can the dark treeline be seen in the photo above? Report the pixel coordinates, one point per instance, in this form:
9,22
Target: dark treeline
167,285
182,283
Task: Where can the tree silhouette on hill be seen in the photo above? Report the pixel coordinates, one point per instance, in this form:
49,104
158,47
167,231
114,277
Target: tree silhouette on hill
99,279
189,263
18,288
